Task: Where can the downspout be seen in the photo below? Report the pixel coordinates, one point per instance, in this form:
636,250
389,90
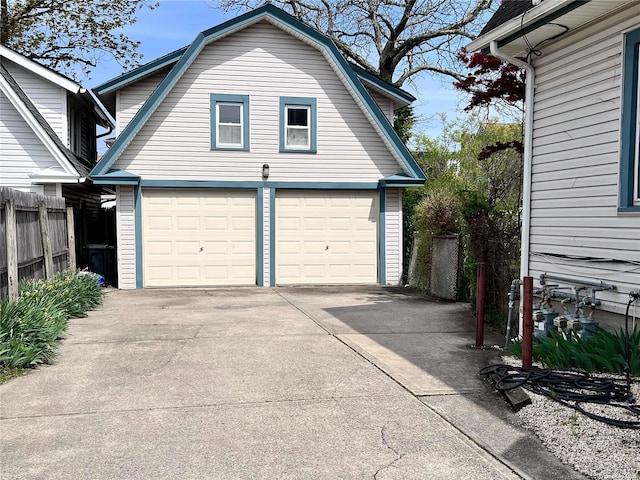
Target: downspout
528,156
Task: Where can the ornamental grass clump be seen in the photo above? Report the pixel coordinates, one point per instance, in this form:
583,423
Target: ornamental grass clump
31,326
603,352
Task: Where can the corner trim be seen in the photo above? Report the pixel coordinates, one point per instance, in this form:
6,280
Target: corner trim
137,198
272,238
382,234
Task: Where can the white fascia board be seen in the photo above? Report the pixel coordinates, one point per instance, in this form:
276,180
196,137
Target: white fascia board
39,70
516,24
51,177
35,126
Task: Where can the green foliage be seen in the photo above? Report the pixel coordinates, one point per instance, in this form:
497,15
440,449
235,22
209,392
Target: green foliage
403,121
31,326
603,352
70,35
485,196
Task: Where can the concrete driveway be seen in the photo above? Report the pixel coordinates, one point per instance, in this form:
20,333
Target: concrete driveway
322,383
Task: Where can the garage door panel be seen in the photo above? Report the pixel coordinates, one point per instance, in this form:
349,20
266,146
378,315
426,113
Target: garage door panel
199,237
326,237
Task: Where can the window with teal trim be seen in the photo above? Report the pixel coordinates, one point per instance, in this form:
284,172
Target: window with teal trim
298,124
229,122
630,136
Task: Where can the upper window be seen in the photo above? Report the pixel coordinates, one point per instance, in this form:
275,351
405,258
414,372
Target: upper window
630,136
298,124
229,122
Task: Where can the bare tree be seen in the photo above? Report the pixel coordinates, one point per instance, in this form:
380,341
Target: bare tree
395,39
70,35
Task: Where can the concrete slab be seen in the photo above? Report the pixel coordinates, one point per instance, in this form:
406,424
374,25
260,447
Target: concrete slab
372,309
484,418
383,438
424,363
258,383
164,374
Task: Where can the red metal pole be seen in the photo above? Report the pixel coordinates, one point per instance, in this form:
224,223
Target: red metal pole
480,293
527,323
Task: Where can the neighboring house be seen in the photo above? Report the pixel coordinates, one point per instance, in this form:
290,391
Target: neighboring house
48,137
581,216
256,156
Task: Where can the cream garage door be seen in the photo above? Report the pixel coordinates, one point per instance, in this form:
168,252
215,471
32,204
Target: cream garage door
326,237
198,237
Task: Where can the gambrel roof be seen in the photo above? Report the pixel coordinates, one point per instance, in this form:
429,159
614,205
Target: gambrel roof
180,60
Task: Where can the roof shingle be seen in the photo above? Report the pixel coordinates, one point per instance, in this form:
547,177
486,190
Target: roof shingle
506,11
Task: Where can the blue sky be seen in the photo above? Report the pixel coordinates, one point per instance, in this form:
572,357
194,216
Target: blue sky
175,24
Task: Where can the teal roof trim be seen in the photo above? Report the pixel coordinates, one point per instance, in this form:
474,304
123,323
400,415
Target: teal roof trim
206,36
401,95
136,74
116,177
400,181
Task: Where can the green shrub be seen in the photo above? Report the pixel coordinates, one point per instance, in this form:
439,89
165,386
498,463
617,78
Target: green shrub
603,352
31,326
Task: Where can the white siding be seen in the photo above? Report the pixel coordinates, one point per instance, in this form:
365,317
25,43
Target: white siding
576,161
385,104
393,235
21,150
49,99
265,63
125,221
130,99
266,232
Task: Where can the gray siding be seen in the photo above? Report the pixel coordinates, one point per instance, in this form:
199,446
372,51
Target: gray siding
125,220
49,99
576,161
130,99
22,151
393,236
265,63
266,235
385,104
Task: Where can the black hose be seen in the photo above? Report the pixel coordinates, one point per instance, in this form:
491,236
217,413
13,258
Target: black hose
570,388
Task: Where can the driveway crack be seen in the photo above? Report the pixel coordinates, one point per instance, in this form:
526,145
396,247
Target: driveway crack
385,442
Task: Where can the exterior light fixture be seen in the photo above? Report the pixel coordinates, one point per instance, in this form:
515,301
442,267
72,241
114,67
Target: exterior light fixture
265,171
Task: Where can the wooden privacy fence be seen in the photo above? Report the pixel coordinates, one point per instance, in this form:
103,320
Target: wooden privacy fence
37,238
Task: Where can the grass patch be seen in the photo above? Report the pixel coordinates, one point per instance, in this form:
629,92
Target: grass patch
7,374
31,326
603,352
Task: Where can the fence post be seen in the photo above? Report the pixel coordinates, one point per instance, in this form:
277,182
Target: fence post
71,238
527,322
480,294
46,240
12,250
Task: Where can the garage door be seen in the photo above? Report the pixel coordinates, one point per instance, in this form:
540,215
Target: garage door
326,237
198,237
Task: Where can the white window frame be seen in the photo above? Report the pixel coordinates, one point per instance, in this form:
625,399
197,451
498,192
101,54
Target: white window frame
221,124
287,127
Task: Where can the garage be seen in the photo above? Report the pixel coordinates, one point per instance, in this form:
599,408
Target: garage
193,237
326,237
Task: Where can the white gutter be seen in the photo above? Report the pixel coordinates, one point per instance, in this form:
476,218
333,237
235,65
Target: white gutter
528,156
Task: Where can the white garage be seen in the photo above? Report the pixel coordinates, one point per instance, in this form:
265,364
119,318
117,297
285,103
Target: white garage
326,236
194,237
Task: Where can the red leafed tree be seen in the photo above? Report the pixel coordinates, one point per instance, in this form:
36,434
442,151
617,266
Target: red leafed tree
492,83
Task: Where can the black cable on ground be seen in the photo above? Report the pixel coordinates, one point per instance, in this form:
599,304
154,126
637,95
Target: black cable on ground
570,388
